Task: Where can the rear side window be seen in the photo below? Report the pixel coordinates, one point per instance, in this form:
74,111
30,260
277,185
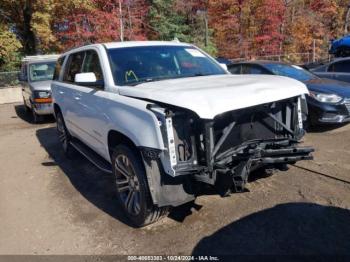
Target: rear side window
253,69
74,64
92,64
58,68
343,66
319,69
235,69
258,70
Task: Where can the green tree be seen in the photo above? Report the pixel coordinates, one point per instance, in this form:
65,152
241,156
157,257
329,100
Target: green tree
166,23
197,18
9,49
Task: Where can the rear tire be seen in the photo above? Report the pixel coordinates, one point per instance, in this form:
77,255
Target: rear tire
35,117
64,135
132,187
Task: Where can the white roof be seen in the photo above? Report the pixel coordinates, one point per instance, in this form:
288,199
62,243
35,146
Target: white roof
39,58
144,43
112,45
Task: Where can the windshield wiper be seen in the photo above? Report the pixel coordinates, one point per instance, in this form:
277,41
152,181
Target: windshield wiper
153,79
138,82
199,74
160,78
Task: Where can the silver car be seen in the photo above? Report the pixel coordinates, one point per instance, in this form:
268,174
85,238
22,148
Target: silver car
36,75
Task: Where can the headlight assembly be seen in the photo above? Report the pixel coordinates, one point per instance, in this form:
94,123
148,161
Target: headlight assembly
43,97
326,98
42,94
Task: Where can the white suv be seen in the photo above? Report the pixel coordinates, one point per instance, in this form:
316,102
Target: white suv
165,117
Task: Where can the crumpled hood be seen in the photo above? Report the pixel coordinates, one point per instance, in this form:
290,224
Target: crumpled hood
41,85
209,96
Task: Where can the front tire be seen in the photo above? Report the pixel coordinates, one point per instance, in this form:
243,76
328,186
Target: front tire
26,108
35,117
132,187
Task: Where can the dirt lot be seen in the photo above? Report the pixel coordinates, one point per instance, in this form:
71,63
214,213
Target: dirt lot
52,205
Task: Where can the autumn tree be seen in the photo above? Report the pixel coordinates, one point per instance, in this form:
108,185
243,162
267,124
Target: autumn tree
102,21
246,28
268,17
18,15
224,17
32,21
233,28
310,25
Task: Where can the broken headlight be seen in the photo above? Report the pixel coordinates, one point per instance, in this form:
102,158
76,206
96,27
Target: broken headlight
169,159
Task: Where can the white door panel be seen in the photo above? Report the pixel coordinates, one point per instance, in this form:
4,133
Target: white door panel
66,93
91,118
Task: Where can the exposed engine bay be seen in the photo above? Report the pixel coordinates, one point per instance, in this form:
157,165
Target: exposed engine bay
224,150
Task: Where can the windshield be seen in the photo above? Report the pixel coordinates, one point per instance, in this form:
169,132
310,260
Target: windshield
291,71
135,65
41,71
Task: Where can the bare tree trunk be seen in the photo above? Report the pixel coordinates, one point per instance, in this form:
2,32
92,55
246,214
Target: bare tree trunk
121,21
240,33
347,21
29,41
131,32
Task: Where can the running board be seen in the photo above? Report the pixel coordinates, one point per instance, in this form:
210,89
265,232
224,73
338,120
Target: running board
93,157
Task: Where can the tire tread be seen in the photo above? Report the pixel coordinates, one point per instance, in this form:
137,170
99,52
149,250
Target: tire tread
152,212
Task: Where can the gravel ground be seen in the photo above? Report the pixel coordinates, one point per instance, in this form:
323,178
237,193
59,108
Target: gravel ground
53,205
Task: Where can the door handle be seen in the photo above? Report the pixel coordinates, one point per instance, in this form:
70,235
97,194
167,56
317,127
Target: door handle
61,92
77,98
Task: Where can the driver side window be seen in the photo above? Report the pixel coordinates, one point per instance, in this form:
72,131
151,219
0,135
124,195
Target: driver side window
92,65
342,66
74,66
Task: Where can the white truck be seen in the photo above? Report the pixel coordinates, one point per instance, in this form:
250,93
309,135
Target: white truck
35,77
165,117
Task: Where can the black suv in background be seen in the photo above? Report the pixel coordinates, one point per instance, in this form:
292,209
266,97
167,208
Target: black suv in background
338,69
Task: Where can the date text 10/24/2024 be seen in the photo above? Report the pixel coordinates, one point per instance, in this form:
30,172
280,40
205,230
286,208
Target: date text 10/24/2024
173,258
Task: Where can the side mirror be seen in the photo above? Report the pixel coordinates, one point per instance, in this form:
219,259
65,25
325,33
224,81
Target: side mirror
21,77
224,66
88,79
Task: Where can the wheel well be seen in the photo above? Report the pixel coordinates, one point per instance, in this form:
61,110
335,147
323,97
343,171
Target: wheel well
56,109
115,138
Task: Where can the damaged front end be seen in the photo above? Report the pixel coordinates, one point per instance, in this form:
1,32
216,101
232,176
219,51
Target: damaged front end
224,150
